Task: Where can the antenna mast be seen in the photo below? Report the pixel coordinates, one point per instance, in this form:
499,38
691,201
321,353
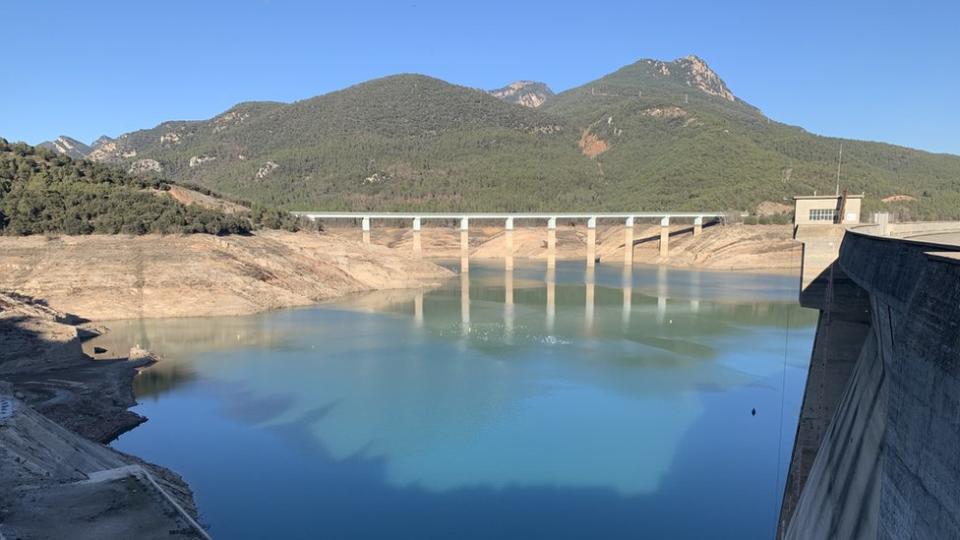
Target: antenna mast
839,162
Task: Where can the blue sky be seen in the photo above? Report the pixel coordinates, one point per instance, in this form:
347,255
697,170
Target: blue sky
867,70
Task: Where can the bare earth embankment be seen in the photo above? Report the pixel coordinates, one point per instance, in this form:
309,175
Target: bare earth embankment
729,247
103,277
57,408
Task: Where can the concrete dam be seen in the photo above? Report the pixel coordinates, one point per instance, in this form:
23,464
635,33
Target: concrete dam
877,452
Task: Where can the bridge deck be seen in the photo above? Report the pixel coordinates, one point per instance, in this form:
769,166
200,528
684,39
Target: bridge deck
506,215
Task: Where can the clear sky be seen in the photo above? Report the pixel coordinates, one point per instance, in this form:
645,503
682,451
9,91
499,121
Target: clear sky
880,70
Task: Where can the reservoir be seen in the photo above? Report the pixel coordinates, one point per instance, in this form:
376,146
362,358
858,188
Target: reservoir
652,403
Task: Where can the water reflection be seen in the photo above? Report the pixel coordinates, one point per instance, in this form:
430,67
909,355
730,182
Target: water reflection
551,281
465,303
508,304
589,286
511,398
627,285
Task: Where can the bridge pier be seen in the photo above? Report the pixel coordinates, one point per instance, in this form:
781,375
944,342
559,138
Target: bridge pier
591,242
417,247
508,238
697,225
552,242
664,236
365,226
628,243
464,245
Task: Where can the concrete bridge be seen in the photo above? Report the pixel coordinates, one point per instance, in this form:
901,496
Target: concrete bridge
416,220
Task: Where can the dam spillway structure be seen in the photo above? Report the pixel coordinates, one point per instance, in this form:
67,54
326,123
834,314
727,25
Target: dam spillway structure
697,221
877,449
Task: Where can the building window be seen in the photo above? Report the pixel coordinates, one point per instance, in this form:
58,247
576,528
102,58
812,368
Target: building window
823,214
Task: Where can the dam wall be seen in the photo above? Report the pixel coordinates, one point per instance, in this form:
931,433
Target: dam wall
888,464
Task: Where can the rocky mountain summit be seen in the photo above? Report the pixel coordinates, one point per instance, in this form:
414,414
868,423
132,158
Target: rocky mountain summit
527,93
67,146
696,74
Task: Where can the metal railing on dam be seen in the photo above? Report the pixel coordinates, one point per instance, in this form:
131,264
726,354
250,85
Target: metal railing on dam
875,454
509,219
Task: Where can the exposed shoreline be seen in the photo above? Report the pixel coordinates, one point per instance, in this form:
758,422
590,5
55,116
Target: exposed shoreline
60,408
104,278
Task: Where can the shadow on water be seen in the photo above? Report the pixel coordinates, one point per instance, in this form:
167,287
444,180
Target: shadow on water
371,506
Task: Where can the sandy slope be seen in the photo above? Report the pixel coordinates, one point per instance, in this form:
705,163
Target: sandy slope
112,277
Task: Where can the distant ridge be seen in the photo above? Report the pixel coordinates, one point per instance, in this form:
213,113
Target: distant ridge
653,135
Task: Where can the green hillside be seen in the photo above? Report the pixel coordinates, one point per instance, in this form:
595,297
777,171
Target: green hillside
681,146
651,136
42,192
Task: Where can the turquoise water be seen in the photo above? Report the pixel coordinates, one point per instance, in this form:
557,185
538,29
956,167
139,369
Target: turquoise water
657,404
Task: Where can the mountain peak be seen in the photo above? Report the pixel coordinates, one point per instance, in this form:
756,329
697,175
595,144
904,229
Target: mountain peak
699,75
67,146
527,93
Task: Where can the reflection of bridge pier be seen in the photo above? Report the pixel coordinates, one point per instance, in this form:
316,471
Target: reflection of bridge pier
627,296
551,299
418,309
695,291
662,293
508,304
589,281
465,303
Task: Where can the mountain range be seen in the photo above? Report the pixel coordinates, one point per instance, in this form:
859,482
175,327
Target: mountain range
654,135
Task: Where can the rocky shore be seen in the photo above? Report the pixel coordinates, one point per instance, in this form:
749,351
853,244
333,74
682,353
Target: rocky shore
58,409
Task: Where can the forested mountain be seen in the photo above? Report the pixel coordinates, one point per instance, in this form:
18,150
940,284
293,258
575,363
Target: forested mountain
651,136
675,133
43,192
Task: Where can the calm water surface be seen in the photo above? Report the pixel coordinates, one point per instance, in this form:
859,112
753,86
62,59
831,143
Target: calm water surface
523,405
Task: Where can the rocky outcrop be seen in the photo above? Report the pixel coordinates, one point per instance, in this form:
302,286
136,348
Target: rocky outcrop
196,161
145,165
699,75
67,146
526,93
266,170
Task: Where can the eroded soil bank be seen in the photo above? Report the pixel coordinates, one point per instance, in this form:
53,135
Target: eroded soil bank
104,277
58,408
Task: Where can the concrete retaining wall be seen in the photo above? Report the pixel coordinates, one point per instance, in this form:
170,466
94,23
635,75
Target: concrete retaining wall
889,465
